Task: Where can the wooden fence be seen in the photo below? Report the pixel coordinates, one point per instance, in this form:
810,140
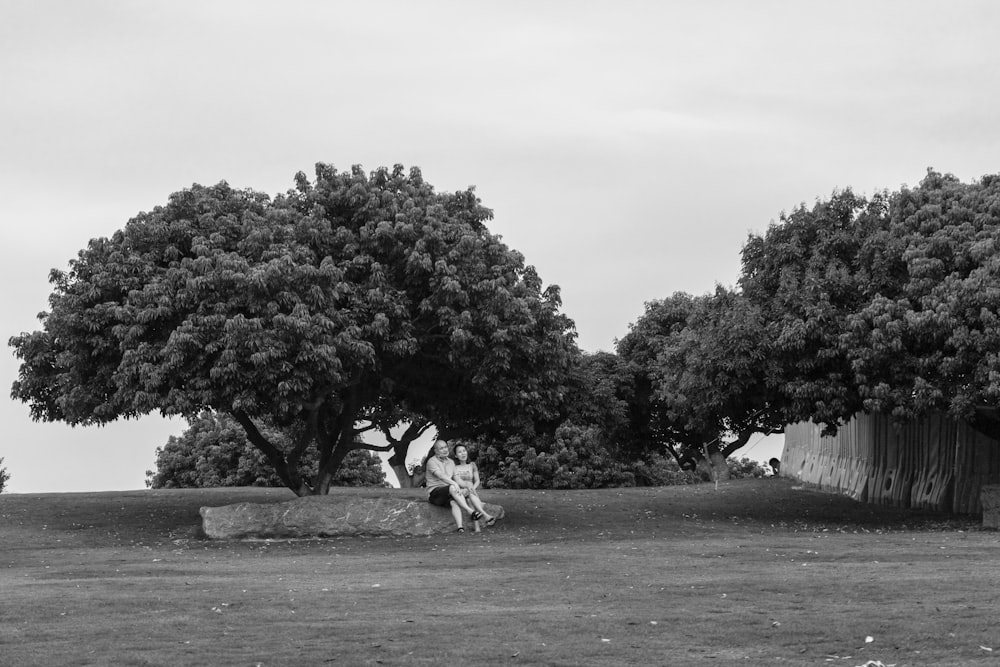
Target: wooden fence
935,463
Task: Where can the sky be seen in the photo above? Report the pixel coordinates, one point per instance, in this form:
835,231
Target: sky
626,148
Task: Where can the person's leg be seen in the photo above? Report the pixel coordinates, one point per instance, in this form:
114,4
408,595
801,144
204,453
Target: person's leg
478,504
475,501
459,499
457,513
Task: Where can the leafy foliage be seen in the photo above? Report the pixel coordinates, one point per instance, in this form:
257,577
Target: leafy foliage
807,275
605,392
745,468
657,469
705,376
575,458
214,451
345,304
888,305
933,343
882,304
4,476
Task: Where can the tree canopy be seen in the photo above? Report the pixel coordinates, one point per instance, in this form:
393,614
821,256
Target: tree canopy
342,305
882,304
886,304
706,378
363,301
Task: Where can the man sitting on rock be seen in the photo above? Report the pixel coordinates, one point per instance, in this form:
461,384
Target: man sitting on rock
442,488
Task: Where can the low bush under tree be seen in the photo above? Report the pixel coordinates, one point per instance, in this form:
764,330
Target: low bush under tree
214,451
574,458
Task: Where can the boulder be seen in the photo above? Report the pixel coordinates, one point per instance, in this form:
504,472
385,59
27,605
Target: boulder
989,497
387,514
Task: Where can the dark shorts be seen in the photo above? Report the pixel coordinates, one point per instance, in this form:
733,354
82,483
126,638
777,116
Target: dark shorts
440,496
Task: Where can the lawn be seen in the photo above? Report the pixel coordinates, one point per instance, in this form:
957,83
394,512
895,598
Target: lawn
756,572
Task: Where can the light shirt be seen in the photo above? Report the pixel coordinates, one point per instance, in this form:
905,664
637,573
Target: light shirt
436,469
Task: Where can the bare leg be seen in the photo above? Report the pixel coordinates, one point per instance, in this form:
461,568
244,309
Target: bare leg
478,504
456,512
459,499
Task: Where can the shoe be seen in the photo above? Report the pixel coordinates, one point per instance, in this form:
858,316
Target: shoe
476,516
492,520
460,530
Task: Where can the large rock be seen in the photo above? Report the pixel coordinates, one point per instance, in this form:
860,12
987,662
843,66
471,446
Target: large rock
391,514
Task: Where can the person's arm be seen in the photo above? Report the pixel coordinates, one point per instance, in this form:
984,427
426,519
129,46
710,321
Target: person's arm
475,477
437,469
462,483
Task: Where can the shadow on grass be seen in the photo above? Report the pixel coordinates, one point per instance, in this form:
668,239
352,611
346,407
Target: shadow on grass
158,515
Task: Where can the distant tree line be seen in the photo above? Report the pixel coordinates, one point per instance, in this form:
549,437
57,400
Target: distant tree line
368,302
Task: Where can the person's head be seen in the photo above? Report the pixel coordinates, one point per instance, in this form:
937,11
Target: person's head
461,453
441,449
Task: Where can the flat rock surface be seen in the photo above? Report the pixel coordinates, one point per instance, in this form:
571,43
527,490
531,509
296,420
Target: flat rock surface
388,513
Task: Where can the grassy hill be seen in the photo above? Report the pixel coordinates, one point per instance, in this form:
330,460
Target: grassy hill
754,572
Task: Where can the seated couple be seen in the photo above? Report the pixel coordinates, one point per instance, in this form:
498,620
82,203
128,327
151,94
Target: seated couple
454,483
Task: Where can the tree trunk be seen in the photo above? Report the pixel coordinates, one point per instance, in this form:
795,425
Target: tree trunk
406,480
325,476
402,476
720,470
718,453
287,474
400,449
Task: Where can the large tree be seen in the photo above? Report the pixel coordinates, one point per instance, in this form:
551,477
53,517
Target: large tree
706,381
807,275
340,306
931,340
886,304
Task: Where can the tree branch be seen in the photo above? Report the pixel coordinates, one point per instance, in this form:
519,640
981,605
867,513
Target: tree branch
289,475
371,448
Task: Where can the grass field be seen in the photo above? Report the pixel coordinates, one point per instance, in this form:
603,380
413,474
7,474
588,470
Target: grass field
756,572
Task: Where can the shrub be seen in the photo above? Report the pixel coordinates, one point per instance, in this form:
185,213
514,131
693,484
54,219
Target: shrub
575,458
4,476
659,470
214,451
745,468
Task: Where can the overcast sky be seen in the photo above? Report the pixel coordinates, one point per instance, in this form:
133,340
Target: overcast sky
626,148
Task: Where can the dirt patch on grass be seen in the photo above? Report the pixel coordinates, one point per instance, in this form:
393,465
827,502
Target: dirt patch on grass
755,572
